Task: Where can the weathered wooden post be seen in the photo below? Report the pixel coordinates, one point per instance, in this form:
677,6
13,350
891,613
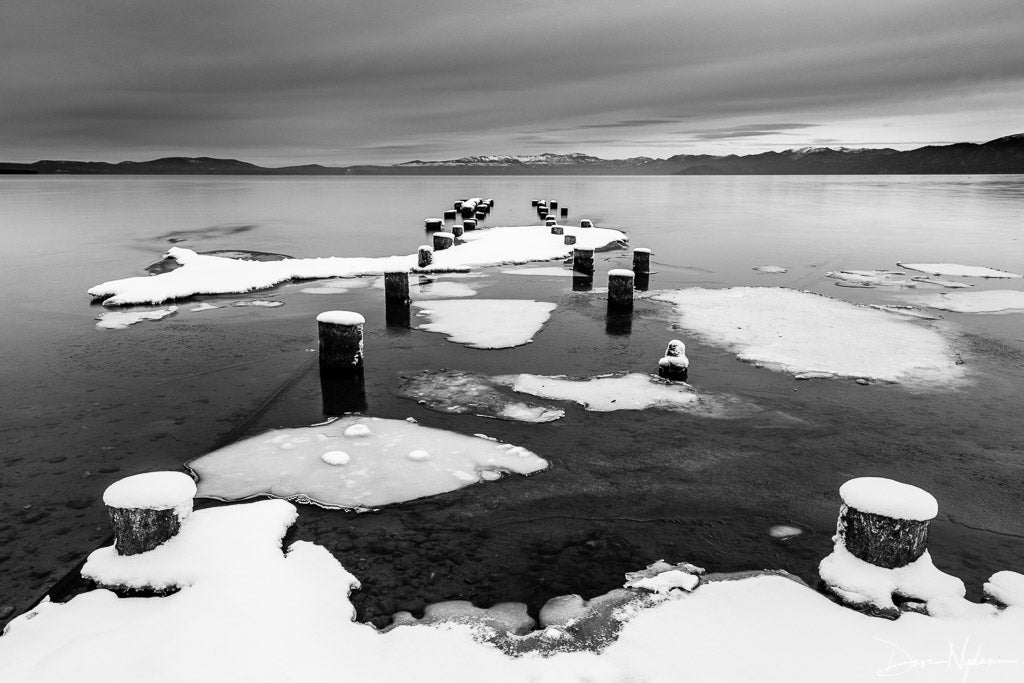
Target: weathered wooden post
341,343
450,214
620,288
550,220
557,229
641,260
424,256
457,230
469,224
884,522
542,214
490,203
458,205
674,365
396,287
586,223
563,212
583,261
148,509
570,239
433,223
480,215
468,210
552,205
535,202
443,240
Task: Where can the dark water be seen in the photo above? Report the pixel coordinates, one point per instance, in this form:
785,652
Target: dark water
83,407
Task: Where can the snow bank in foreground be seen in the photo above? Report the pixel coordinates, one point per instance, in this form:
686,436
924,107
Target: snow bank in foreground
456,391
486,323
991,301
957,270
390,461
204,274
799,332
249,612
121,320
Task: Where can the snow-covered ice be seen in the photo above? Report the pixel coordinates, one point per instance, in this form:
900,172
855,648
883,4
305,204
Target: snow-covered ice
205,274
547,271
771,270
440,290
457,391
121,320
799,332
906,311
486,323
251,610
203,307
990,301
889,498
288,463
336,286
870,278
958,270
259,303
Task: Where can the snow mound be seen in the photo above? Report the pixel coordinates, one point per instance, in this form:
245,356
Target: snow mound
1006,588
486,323
121,320
958,270
456,391
206,274
991,301
799,332
288,463
889,498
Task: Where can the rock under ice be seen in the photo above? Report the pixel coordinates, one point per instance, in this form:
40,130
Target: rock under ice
799,332
389,461
460,392
252,610
205,274
486,323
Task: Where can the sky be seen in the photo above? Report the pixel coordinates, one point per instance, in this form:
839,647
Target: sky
281,82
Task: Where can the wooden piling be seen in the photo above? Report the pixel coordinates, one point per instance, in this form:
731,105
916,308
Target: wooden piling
620,288
424,256
674,365
469,224
563,212
433,223
570,239
871,532
443,240
557,229
341,342
586,223
641,260
396,287
583,261
148,509
457,230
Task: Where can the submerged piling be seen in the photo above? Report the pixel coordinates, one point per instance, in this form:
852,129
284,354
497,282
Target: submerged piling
341,342
620,288
641,260
583,261
396,287
148,509
443,240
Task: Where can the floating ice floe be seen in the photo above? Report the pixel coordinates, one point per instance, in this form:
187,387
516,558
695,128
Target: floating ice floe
783,532
456,391
991,301
799,332
938,282
336,286
552,271
121,320
486,323
771,270
389,461
869,278
246,598
906,311
634,391
957,270
204,307
205,274
258,303
440,290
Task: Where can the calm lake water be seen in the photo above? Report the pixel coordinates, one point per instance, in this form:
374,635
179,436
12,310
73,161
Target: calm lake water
83,407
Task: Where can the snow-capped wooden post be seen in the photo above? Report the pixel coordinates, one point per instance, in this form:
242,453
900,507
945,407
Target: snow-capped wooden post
884,522
396,287
147,509
641,260
490,203
443,240
480,215
563,212
457,230
550,220
341,342
674,364
458,205
557,230
424,256
583,261
586,223
552,205
570,239
535,202
469,224
450,214
468,210
620,288
433,223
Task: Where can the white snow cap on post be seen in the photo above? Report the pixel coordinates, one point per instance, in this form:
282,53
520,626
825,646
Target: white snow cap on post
341,318
888,498
153,491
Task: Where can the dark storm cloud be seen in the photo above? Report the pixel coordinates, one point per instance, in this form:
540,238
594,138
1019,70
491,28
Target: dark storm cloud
325,80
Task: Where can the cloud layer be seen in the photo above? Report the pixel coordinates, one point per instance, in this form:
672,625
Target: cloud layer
349,82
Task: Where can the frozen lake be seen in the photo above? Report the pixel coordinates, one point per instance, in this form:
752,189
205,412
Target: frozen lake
83,406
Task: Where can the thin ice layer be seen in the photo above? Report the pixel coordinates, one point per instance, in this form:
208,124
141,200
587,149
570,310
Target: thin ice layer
798,332
486,323
250,611
460,392
991,301
386,463
121,320
204,274
958,270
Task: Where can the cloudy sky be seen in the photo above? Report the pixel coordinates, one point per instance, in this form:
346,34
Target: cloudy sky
340,82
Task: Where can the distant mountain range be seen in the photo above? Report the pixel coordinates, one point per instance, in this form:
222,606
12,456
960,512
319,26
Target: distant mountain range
1004,155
